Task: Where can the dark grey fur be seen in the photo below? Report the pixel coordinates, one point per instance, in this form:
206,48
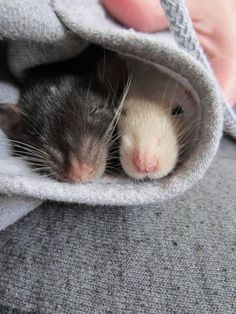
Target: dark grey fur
67,108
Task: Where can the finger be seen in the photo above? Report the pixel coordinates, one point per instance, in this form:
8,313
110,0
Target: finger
146,16
225,72
208,45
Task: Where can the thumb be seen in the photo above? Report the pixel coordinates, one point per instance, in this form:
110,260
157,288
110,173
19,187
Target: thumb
145,16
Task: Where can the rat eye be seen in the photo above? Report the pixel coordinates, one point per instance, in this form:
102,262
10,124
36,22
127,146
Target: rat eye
93,110
177,110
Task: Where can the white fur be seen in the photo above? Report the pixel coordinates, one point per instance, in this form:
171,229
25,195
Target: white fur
147,124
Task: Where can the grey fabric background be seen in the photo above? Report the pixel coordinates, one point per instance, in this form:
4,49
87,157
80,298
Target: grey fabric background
174,257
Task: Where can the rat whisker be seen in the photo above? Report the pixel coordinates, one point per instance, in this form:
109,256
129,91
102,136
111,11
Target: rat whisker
26,145
40,161
114,139
24,153
31,126
118,111
187,130
38,168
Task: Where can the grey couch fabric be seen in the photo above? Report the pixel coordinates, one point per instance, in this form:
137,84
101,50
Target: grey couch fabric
174,257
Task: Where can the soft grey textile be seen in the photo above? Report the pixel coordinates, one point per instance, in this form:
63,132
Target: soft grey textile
174,257
12,209
52,30
9,91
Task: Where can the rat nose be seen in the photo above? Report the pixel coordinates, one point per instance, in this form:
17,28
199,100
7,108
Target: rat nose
145,163
79,172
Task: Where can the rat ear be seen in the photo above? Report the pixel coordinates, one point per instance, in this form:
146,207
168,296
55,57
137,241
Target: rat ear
10,117
112,72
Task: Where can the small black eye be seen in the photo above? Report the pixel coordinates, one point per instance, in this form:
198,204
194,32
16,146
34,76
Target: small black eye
93,110
177,110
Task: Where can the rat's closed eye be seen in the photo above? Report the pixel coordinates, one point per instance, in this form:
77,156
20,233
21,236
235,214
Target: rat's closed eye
93,110
177,110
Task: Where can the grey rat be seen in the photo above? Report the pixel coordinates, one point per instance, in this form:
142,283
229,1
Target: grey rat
63,123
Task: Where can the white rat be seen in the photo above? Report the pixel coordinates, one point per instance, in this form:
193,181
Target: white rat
157,123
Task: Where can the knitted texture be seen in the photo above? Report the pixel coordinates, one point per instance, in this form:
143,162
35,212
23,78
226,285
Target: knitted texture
181,27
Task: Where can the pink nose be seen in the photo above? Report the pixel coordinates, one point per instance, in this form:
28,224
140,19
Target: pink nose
145,164
79,172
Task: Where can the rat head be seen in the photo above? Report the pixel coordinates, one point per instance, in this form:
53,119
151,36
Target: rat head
62,125
154,124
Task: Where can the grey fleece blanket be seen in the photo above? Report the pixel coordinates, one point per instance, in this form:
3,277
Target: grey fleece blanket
46,31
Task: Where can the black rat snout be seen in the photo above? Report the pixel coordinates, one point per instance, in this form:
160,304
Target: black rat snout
88,162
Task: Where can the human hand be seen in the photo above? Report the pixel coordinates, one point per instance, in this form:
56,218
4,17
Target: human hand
215,26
